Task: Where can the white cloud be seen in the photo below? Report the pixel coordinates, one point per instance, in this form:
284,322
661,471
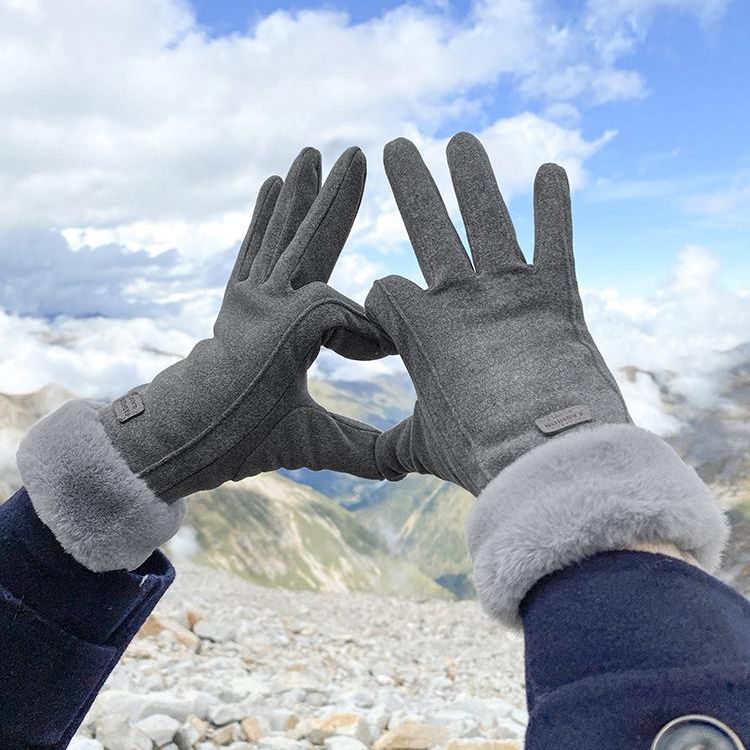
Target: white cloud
184,544
128,130
516,146
44,276
684,334
124,122
728,205
97,357
688,328
617,26
644,400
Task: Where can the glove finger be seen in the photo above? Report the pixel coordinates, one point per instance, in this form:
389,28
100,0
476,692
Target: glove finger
350,333
338,443
491,234
320,238
439,250
264,205
297,196
384,305
553,225
306,435
393,451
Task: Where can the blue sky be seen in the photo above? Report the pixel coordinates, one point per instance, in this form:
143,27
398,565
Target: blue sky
685,138
135,134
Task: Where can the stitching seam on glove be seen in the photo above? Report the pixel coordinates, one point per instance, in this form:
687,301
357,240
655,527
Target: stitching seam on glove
246,391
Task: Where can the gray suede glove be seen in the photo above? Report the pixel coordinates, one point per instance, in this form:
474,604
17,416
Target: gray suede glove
499,352
107,480
514,401
238,405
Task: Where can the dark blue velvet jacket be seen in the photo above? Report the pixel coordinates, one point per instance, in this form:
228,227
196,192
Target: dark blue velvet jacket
616,646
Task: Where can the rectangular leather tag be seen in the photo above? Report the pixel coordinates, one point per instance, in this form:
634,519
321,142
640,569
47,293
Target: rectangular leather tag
129,406
564,419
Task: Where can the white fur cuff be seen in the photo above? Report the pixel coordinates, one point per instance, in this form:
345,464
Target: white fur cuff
590,491
102,514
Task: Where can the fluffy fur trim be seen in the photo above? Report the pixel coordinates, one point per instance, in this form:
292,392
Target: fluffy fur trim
102,514
593,490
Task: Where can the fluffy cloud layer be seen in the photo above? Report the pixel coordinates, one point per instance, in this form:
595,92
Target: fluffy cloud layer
688,331
125,122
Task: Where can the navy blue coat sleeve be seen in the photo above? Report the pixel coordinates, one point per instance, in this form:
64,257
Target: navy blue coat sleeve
624,642
62,628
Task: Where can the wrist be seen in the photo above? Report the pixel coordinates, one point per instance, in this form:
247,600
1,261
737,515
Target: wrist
101,512
663,548
603,489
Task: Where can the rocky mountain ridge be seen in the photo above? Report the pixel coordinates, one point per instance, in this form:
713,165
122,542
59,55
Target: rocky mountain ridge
328,531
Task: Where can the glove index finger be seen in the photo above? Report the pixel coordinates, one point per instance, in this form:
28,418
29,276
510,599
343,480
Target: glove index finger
292,206
351,333
320,238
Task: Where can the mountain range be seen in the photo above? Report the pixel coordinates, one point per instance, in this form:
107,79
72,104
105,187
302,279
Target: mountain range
333,532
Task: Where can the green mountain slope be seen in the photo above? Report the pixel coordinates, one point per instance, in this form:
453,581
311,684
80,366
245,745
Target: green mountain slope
278,533
422,519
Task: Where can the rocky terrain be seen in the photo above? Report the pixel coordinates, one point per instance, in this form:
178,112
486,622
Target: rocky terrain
224,663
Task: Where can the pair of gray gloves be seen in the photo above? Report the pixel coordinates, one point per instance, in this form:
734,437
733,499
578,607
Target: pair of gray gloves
514,401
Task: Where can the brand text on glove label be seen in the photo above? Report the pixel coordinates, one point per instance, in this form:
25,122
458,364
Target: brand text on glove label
564,419
129,406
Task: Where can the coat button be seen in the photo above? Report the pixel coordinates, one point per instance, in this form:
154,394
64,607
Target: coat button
696,733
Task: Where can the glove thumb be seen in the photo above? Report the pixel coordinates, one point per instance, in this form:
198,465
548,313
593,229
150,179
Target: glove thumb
384,305
393,451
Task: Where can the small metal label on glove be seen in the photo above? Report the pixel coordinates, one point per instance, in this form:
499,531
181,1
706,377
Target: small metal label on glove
564,419
128,407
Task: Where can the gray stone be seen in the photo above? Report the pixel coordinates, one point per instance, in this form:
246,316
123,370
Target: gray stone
377,720
159,727
116,732
458,723
218,631
203,702
340,742
190,733
226,714
166,703
116,701
281,719
508,729
84,743
281,743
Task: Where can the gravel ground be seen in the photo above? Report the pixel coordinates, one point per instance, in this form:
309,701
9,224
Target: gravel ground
224,663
